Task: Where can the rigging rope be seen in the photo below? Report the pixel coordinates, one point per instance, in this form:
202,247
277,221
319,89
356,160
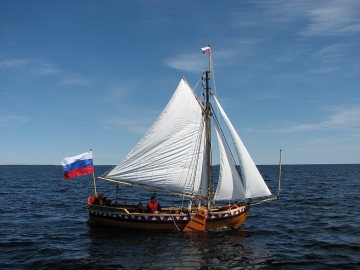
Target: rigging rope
196,85
172,217
223,135
264,201
213,76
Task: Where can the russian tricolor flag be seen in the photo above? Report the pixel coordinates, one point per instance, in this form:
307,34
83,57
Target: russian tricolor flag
206,49
78,165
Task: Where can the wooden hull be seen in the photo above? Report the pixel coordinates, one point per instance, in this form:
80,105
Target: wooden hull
120,217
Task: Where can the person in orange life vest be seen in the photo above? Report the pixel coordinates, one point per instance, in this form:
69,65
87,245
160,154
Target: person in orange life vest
139,208
153,206
93,200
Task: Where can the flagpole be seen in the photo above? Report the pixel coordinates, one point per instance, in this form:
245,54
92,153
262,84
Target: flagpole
94,178
278,196
210,55
94,184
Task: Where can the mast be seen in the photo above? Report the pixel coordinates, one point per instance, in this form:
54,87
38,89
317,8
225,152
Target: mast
208,132
278,196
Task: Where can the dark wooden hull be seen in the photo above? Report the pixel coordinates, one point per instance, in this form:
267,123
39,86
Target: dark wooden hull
120,217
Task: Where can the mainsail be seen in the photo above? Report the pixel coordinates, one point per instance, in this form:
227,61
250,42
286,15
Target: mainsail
170,155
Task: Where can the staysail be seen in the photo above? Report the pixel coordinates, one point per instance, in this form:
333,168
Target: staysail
254,184
170,155
229,185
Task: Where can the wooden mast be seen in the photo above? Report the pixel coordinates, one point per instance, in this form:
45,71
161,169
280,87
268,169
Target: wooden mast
208,132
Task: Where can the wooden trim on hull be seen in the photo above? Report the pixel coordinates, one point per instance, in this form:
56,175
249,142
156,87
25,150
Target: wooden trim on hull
164,221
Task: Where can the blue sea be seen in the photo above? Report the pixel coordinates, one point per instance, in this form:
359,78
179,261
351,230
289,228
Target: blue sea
314,225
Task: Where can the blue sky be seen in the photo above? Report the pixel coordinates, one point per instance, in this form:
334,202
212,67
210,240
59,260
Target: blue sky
77,75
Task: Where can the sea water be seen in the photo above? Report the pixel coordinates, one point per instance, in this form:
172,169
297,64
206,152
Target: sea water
314,225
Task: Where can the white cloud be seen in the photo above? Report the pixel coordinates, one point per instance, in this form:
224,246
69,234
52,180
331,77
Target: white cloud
186,62
75,80
322,70
333,18
12,119
323,17
348,117
333,53
343,118
45,69
14,63
37,67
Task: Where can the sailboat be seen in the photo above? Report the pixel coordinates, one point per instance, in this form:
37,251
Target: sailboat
175,156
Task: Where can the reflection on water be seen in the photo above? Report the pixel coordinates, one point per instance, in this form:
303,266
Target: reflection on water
172,250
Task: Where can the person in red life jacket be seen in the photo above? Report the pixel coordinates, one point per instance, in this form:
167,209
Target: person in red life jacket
93,200
153,206
139,208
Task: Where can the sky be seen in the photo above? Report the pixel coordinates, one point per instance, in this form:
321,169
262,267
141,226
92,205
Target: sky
80,75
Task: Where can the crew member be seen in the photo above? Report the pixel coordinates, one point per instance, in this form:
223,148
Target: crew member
103,200
140,208
153,206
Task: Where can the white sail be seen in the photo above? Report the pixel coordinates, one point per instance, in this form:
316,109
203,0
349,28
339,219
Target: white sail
229,185
170,155
254,184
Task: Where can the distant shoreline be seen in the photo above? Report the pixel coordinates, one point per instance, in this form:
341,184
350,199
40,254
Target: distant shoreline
51,165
